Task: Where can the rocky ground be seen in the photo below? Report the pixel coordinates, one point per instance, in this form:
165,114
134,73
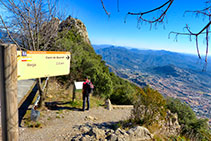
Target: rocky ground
67,124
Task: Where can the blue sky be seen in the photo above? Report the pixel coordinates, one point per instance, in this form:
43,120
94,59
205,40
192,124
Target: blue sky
113,30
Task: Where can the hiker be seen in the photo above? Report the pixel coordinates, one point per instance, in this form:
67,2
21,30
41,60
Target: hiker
87,89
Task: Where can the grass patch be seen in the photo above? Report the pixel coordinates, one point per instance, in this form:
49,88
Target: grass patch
27,122
34,125
63,95
78,91
96,101
74,104
178,138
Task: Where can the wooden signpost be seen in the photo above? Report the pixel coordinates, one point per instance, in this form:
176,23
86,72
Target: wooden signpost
8,89
24,65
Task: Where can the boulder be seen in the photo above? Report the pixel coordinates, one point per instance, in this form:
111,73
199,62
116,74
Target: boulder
84,129
112,137
86,138
139,133
108,104
97,133
120,132
90,118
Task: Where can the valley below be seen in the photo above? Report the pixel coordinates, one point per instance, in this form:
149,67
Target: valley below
198,97
172,74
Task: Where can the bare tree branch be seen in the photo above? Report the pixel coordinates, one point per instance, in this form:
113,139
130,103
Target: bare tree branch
8,32
205,12
28,19
105,8
33,24
154,20
197,47
118,6
207,40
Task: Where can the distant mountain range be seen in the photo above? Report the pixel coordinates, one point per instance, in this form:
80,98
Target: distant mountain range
172,74
144,59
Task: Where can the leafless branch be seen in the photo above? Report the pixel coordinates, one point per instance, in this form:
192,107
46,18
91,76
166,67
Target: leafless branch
207,41
154,20
190,33
205,11
105,8
118,6
197,47
32,21
13,40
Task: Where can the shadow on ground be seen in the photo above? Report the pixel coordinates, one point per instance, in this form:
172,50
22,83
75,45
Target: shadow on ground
58,105
50,105
25,106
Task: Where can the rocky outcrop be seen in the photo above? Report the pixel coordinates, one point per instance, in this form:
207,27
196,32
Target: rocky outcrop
171,125
77,24
140,133
49,29
93,132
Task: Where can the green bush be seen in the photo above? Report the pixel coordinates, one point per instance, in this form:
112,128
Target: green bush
192,127
124,92
149,107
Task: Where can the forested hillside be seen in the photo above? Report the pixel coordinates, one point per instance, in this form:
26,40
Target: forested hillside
73,37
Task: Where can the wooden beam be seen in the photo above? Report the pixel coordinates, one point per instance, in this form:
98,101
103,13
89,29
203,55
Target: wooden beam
122,106
9,101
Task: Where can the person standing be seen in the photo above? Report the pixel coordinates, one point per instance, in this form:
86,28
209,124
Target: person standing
87,89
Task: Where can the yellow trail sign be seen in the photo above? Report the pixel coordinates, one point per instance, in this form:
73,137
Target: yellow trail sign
37,64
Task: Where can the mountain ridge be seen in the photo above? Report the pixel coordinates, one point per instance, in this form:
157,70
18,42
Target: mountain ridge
154,57
172,74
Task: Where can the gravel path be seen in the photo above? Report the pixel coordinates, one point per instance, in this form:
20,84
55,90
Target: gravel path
63,126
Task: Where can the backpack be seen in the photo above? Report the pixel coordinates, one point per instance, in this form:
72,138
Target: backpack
88,87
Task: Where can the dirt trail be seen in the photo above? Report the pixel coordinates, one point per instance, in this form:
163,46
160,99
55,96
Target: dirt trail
62,125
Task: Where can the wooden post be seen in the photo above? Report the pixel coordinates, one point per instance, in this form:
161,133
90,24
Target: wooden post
8,89
39,84
73,91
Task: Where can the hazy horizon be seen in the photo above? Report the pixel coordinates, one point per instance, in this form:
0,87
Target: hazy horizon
148,48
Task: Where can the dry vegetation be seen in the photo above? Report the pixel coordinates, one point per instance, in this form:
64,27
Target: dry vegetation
58,102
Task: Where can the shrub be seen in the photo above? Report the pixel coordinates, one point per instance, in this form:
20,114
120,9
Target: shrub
149,107
192,127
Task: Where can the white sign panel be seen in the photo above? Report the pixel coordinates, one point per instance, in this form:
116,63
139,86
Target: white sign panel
78,85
